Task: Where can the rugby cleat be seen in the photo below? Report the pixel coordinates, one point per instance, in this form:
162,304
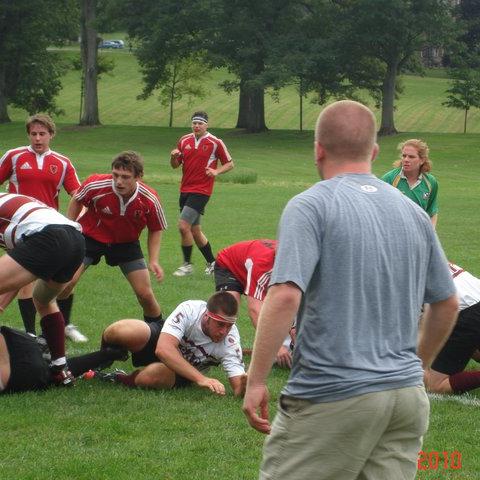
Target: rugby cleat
74,334
183,270
209,268
62,376
110,377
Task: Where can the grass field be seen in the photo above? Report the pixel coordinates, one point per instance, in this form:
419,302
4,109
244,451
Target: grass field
419,107
98,431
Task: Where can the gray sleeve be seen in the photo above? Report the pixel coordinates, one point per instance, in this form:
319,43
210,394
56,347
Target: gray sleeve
299,243
439,285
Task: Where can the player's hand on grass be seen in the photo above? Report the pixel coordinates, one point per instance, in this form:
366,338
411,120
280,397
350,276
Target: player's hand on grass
157,270
255,408
284,357
212,384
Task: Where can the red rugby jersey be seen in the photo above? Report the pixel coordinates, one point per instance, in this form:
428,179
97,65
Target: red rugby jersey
111,219
251,263
196,156
38,176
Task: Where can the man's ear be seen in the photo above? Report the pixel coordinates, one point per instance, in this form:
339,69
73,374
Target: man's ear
319,153
375,152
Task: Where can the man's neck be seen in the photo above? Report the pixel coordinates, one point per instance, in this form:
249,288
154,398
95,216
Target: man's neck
331,170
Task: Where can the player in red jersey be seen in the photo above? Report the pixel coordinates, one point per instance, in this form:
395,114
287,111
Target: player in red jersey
119,206
42,246
245,268
198,154
39,172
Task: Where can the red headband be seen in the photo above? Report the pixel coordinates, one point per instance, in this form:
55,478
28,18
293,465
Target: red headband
221,318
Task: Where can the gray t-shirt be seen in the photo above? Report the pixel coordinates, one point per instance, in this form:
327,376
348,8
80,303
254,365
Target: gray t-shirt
366,258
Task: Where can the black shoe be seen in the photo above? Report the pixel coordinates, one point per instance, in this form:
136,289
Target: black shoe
62,376
110,377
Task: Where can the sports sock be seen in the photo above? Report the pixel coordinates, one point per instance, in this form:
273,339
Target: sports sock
53,329
129,379
207,252
464,381
65,306
91,361
152,319
187,253
28,312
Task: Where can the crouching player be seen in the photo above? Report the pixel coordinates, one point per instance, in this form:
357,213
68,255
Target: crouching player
45,246
178,353
447,373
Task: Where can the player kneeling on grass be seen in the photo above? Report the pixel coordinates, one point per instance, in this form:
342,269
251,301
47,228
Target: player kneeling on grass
447,373
196,336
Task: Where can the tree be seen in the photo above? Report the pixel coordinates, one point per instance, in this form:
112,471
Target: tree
29,73
172,29
89,52
184,77
464,92
393,33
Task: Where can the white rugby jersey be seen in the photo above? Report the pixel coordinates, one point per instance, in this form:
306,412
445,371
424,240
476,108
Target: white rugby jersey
468,286
21,215
184,323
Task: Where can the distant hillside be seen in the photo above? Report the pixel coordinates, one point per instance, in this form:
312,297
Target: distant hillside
418,109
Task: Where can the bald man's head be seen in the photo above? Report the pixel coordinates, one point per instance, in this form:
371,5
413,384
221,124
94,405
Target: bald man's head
347,131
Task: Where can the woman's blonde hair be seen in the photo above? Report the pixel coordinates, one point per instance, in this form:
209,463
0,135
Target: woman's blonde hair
422,149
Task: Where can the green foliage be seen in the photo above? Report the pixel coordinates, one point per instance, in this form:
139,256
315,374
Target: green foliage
464,92
242,176
29,74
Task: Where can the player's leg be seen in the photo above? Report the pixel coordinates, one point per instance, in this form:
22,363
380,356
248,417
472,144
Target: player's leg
204,246
186,239
27,308
156,375
13,275
138,276
130,334
4,364
448,374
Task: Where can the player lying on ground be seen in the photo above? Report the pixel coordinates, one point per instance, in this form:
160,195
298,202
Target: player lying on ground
244,268
23,367
179,352
447,373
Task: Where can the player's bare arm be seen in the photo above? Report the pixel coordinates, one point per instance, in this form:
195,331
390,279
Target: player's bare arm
74,209
238,384
276,317
154,241
168,352
175,158
213,172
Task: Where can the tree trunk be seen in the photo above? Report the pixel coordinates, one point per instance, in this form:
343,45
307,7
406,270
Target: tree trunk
300,90
465,121
90,114
251,112
4,118
387,126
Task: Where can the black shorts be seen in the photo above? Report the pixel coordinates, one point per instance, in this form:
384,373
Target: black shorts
146,355
54,253
115,253
28,369
462,343
225,280
197,201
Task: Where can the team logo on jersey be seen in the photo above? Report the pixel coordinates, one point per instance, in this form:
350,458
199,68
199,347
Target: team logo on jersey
230,339
107,210
53,169
188,147
368,188
426,195
137,213
26,166
205,148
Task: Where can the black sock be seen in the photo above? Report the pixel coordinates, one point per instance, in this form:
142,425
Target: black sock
152,319
90,361
28,312
207,252
187,253
65,306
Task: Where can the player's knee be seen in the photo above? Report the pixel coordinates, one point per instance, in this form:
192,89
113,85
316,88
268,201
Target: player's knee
146,297
184,228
